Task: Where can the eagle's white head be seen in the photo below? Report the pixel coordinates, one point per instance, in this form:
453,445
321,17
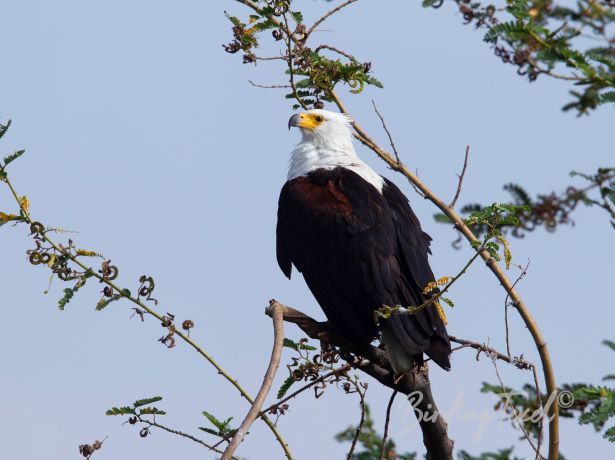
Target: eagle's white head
326,143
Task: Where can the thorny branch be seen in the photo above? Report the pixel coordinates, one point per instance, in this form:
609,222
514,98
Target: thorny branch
518,361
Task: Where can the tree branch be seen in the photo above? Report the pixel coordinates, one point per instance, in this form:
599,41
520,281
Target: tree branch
375,363
517,361
274,363
154,423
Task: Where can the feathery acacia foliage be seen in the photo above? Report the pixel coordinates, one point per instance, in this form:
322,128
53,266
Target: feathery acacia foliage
543,37
550,210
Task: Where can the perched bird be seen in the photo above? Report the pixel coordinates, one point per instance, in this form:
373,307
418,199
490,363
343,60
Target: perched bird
358,244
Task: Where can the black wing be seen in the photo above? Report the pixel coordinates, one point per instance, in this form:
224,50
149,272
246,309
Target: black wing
358,249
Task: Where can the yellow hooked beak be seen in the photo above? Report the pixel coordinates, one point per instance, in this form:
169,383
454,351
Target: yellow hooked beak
305,120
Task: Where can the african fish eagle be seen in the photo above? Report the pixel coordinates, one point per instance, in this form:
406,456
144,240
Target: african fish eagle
358,244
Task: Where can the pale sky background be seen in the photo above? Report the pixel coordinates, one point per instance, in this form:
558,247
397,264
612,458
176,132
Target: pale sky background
145,136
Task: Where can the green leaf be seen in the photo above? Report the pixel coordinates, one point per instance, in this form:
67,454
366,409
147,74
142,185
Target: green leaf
442,218
222,426
146,401
428,3
606,97
305,83
609,343
512,30
264,25
151,411
68,294
285,386
105,301
297,16
4,128
502,454
288,343
13,156
234,20
302,345
602,410
447,301
374,82
120,411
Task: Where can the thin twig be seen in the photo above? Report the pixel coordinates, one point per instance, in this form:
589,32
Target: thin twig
386,426
460,176
270,58
274,363
540,421
268,86
517,361
326,16
386,129
180,433
362,421
519,278
186,338
515,414
336,50
291,73
322,378
398,164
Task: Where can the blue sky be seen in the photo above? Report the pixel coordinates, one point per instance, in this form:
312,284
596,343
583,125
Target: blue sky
144,136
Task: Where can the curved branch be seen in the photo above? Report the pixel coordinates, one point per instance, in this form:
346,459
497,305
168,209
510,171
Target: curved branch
518,303
274,363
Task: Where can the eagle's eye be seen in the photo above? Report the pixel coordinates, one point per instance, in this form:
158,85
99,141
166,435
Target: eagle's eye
319,118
